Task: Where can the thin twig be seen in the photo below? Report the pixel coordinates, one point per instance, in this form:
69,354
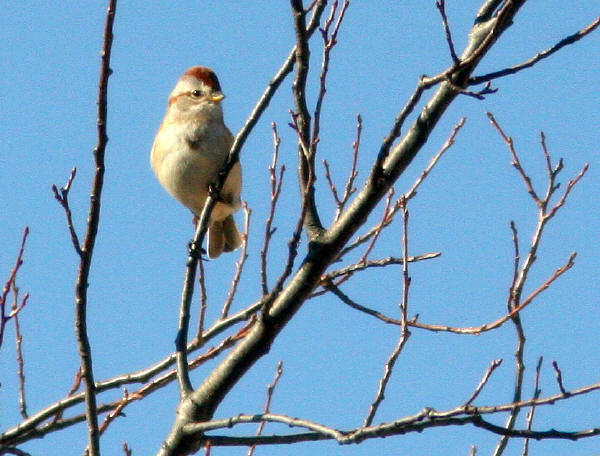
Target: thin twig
412,192
449,143
381,263
267,408
329,42
539,56
441,6
76,382
472,330
486,376
63,199
405,277
536,395
8,285
501,22
477,94
511,302
559,380
516,162
276,184
544,215
385,220
239,265
317,10
115,413
349,188
564,196
292,250
404,331
332,188
19,349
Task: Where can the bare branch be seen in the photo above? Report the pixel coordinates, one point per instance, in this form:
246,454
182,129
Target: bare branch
239,265
559,380
411,193
518,385
317,8
539,56
477,94
570,186
472,330
361,266
267,408
16,306
441,6
292,250
428,418
329,42
30,427
516,162
8,285
349,187
536,395
486,376
449,143
63,199
275,192
302,122
404,331
87,248
385,220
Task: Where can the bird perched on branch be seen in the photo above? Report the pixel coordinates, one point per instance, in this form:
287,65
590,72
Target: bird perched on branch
191,147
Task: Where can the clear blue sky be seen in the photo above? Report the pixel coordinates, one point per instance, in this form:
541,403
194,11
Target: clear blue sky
333,356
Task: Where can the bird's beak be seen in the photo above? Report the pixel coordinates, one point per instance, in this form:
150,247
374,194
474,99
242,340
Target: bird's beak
216,98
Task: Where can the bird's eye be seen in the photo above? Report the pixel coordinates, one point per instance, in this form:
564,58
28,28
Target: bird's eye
196,93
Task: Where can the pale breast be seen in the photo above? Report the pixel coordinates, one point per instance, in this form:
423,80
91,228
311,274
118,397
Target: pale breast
186,165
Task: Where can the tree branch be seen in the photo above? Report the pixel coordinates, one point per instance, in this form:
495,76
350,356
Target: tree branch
63,199
302,122
202,403
539,56
87,248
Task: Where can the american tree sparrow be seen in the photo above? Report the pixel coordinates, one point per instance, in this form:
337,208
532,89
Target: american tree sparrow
190,148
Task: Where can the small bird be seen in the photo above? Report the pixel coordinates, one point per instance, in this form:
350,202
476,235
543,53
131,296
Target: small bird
191,147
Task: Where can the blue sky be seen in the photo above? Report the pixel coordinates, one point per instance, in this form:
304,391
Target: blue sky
332,355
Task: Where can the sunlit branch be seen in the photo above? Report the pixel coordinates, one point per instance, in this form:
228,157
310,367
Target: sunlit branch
539,56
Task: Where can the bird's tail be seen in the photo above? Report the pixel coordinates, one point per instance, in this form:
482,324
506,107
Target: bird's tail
223,236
